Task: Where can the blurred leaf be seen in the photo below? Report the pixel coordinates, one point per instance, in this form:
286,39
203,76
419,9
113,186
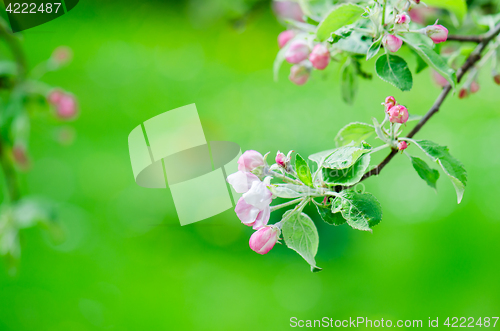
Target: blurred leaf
346,156
354,133
348,176
287,191
436,61
328,216
301,235
457,7
357,43
340,16
394,69
8,68
349,84
303,171
453,168
361,210
421,64
374,49
425,172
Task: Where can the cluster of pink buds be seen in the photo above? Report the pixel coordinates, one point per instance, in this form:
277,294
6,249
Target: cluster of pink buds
253,208
468,89
304,59
397,113
65,104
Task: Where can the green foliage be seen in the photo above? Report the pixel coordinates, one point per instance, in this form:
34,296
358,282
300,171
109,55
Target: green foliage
301,235
303,171
425,172
346,156
340,16
374,49
453,168
331,218
349,83
361,210
394,69
354,133
348,176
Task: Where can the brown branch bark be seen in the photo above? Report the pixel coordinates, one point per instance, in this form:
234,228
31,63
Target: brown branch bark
474,39
471,60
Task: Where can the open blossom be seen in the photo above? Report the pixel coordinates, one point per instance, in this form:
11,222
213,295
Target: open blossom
297,52
437,33
258,195
251,215
250,160
402,145
392,43
285,37
402,19
398,114
264,239
299,74
65,103
242,181
320,57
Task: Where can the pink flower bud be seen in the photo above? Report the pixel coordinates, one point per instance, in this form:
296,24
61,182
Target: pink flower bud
496,78
474,87
462,93
437,33
440,80
320,57
250,160
288,10
65,104
21,156
285,37
62,55
264,239
297,52
281,159
398,114
392,43
402,145
416,1
242,181
299,74
402,19
390,101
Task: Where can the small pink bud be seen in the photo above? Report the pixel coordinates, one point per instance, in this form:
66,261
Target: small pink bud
281,159
62,55
496,78
440,80
390,101
392,43
297,52
402,145
320,57
398,114
416,1
264,239
21,156
402,19
288,10
65,104
462,93
285,37
474,87
299,74
250,160
437,33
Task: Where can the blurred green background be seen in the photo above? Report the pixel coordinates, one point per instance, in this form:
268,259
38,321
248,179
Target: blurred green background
127,264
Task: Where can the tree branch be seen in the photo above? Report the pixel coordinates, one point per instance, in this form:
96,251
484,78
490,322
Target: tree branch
471,60
474,39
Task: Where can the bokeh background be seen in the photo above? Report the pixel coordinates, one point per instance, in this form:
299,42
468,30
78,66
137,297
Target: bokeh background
127,264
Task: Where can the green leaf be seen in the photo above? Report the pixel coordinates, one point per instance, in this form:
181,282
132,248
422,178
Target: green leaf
361,210
354,133
349,84
301,235
453,168
394,69
340,16
374,48
457,7
329,217
421,64
435,61
425,172
346,156
348,176
303,171
357,43
287,191
320,157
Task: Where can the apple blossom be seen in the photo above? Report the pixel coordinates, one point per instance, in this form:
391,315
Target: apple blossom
297,52
299,74
402,19
390,101
264,239
250,160
398,114
65,104
258,195
402,145
462,93
281,159
251,215
284,37
474,87
436,32
242,181
319,57
392,42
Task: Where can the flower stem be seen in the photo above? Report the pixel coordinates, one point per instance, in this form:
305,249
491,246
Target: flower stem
289,203
285,178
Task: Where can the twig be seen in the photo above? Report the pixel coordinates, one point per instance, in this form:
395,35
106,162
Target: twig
471,60
474,39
